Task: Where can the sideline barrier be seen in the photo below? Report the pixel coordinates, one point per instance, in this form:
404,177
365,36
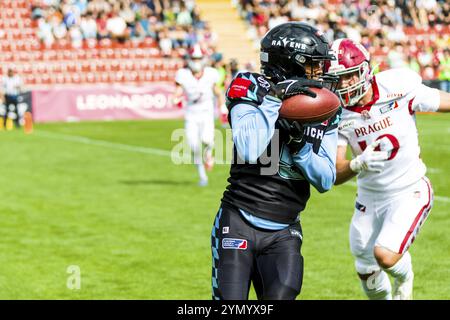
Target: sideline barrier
110,102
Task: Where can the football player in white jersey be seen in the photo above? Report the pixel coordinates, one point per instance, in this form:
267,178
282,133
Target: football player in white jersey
198,83
394,196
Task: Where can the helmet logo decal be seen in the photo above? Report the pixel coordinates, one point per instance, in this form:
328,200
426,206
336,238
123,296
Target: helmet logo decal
285,42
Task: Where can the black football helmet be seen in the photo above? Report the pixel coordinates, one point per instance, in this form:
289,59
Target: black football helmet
294,49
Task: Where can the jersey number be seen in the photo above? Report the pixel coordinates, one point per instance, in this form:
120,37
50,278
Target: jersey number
392,139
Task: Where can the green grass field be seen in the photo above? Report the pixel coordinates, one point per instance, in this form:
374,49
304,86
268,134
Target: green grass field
138,226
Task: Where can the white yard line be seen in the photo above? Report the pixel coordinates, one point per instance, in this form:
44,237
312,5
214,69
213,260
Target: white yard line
102,143
433,170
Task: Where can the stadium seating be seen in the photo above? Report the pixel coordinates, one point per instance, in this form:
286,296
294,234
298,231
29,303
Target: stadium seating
105,61
136,61
382,27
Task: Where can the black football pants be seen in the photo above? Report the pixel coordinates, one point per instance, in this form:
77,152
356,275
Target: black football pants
11,100
243,254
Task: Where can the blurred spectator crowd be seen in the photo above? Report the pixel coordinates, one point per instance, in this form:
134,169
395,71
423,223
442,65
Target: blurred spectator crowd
397,33
175,25
413,33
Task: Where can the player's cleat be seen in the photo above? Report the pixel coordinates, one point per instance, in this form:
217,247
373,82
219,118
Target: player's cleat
203,183
403,290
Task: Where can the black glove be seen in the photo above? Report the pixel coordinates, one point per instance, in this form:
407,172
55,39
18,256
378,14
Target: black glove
294,86
295,134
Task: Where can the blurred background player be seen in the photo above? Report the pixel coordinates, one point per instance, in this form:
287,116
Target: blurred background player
199,83
11,89
257,234
394,196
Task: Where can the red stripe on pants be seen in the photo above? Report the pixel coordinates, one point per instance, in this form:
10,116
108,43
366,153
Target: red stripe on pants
416,220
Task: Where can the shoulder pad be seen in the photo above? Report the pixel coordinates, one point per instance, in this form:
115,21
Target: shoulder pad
399,81
248,87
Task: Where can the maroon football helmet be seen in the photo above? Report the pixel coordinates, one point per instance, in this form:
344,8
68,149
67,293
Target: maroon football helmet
196,58
351,58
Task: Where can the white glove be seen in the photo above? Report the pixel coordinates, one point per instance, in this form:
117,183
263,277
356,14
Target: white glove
370,160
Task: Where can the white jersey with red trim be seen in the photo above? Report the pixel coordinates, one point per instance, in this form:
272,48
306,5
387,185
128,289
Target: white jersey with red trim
397,95
199,92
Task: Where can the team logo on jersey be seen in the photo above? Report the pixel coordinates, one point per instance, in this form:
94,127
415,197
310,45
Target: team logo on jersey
229,243
225,230
365,115
288,42
391,106
360,207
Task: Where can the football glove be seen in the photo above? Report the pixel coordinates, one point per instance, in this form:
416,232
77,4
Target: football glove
294,86
295,133
370,160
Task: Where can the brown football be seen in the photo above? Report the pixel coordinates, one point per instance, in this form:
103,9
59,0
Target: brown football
306,109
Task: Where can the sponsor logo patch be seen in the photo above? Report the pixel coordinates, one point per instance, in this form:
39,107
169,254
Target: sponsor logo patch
225,230
263,82
389,107
229,243
348,124
239,88
296,233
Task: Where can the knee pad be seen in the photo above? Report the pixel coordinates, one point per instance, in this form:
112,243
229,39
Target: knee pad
377,286
366,266
374,281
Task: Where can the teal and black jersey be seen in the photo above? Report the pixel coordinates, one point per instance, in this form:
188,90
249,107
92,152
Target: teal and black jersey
271,183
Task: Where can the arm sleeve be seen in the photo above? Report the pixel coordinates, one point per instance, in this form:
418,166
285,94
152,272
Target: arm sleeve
253,127
426,99
319,169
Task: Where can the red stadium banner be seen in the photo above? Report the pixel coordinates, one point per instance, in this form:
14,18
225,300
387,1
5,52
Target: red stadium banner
110,102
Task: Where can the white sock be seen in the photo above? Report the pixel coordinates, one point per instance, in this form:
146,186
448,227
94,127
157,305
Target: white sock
202,172
402,270
377,286
198,161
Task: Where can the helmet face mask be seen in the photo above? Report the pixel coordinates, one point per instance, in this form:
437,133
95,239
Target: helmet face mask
294,49
353,69
351,93
196,65
196,59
